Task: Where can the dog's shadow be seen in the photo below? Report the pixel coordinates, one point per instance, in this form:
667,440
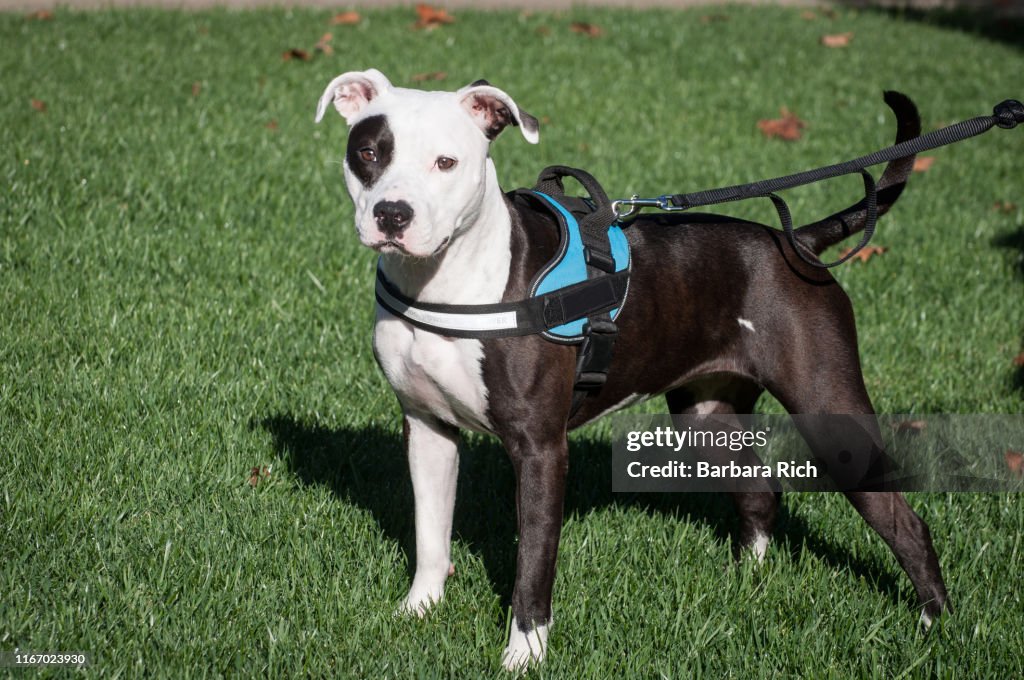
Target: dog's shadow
366,466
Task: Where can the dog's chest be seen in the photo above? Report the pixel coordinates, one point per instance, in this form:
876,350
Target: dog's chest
433,374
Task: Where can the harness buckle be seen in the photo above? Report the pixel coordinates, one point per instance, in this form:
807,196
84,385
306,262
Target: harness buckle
600,258
595,354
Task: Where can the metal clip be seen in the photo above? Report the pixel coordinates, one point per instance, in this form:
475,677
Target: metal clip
635,204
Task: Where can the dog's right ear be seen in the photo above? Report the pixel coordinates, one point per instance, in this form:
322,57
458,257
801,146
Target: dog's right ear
351,92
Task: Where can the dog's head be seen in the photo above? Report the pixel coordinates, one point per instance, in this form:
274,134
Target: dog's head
416,161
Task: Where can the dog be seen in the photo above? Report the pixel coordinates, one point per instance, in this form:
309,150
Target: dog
720,310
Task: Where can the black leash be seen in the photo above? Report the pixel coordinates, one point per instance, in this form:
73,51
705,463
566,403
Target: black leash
1007,115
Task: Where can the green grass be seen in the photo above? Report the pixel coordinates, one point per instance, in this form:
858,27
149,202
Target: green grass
184,299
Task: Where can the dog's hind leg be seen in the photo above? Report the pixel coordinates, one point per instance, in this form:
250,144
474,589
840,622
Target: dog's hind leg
851,446
724,400
433,453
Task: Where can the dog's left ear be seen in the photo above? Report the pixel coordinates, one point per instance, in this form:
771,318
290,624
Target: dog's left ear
493,110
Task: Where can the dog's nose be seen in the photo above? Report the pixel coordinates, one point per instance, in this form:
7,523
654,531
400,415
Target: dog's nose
392,217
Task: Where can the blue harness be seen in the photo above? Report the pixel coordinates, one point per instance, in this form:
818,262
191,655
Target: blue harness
569,266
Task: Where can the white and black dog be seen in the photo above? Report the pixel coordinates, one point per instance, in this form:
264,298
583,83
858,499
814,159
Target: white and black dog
719,311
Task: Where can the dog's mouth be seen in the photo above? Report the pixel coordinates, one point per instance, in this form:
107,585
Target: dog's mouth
389,246
392,246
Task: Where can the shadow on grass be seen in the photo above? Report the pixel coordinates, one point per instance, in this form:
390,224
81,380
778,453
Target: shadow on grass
1014,240
367,467
993,24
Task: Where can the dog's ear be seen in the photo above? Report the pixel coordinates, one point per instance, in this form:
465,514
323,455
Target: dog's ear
493,110
351,92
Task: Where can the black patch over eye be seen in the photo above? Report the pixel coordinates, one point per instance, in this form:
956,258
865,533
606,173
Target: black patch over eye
372,135
445,163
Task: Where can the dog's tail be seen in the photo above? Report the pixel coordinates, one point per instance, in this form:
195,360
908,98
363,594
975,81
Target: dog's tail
819,235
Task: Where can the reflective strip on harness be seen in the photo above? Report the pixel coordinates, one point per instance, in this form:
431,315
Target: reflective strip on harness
446,321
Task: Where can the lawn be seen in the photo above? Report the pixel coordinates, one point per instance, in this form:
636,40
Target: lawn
184,300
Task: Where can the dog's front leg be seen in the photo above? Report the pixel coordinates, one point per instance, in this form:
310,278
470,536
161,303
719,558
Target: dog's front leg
541,464
432,447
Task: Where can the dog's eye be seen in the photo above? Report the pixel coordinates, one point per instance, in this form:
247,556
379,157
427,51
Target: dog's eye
445,163
368,154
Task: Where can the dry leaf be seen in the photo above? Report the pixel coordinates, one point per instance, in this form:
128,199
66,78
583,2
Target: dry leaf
923,163
433,75
323,44
1015,461
40,15
543,30
864,254
39,105
910,426
431,17
272,125
1004,207
1018,360
837,39
713,18
346,19
295,53
788,127
197,87
257,474
586,28
808,15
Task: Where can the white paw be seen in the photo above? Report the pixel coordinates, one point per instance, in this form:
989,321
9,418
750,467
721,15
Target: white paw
418,602
759,548
426,591
525,648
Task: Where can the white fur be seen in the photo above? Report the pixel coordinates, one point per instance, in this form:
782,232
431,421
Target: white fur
525,648
434,467
430,373
760,546
746,324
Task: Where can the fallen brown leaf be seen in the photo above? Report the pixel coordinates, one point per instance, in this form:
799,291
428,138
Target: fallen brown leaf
39,105
586,28
1015,461
865,253
1004,207
1018,360
40,15
257,474
346,19
837,39
423,77
923,163
272,125
543,30
787,127
431,17
197,87
910,426
295,53
808,15
323,44
713,18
